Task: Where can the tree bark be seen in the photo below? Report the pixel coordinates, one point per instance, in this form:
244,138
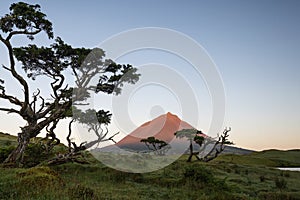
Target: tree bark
17,155
191,151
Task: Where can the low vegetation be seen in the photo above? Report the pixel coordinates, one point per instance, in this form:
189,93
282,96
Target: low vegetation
226,177
270,158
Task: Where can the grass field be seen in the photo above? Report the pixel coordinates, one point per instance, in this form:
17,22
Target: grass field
6,140
228,177
270,158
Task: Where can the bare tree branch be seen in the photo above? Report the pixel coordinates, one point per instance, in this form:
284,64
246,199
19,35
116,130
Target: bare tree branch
33,103
9,110
11,99
69,135
42,104
14,72
219,145
6,68
51,138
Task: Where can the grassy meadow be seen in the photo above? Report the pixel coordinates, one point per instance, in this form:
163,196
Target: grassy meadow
251,176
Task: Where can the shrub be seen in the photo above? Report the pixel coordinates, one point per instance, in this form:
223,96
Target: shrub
7,143
280,183
198,174
284,174
35,153
36,181
262,178
5,151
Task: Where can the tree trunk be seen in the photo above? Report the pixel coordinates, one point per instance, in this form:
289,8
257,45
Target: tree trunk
16,156
191,151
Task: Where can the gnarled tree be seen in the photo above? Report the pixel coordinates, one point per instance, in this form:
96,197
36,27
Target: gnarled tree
192,135
159,147
215,145
219,145
43,112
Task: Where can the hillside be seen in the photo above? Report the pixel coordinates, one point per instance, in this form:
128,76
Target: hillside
270,158
180,180
227,177
6,139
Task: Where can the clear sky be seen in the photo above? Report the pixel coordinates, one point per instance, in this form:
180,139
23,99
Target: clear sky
255,45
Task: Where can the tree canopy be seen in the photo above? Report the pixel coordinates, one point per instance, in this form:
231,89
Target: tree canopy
209,147
40,112
159,147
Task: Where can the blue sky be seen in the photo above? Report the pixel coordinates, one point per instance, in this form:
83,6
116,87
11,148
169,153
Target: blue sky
255,45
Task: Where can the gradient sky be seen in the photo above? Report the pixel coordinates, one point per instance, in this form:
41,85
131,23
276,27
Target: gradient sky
255,45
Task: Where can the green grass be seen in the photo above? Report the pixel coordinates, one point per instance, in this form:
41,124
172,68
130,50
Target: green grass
271,158
7,140
215,180
288,158
227,177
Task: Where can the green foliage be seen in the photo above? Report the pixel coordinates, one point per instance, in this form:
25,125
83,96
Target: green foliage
7,145
26,19
7,140
262,178
186,133
81,192
91,117
118,176
198,173
153,143
119,74
270,158
40,179
191,134
180,180
199,140
36,152
5,151
280,183
278,196
51,62
38,61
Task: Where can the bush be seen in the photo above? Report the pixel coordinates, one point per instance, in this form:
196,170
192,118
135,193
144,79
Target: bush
4,152
199,173
37,181
35,153
280,183
262,178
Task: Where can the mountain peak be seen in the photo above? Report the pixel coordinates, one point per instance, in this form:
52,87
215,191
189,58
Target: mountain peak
169,114
162,127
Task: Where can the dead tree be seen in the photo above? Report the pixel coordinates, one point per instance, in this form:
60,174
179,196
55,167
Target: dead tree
204,142
219,146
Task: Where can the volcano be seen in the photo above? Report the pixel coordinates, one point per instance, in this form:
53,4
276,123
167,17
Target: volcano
162,128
